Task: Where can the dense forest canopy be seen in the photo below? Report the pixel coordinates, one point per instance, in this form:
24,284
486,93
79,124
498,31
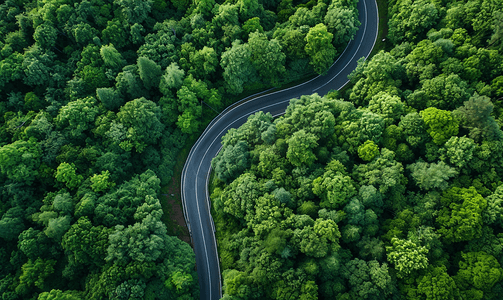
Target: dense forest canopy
97,97
389,190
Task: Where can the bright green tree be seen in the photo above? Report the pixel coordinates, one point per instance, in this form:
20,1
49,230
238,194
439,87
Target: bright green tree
460,218
406,256
319,48
441,124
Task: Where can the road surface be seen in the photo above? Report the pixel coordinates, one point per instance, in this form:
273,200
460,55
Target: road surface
195,174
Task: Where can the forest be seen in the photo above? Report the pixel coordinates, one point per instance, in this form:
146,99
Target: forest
97,99
389,189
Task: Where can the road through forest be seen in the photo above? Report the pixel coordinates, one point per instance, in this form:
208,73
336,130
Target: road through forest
195,174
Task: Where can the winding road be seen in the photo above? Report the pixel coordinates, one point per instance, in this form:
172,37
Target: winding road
195,174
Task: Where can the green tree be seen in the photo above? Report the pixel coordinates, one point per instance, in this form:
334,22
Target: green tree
172,78
368,150
78,116
45,35
252,25
317,241
20,160
150,72
475,116
141,119
458,151
111,57
342,22
86,244
412,20
441,124
300,148
66,173
460,218
431,176
437,284
391,108
60,295
368,280
267,57
231,161
238,67
407,256
319,48
388,178
101,182
110,98
34,273
478,270
135,11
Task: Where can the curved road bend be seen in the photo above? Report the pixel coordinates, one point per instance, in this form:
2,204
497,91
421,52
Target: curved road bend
196,171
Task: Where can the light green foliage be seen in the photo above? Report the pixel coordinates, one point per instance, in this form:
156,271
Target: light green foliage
300,148
267,57
342,22
112,58
458,151
414,129
67,174
231,161
431,176
368,150
292,41
441,124
443,92
120,205
460,218
135,11
383,172
86,244
180,282
60,295
142,242
78,116
239,198
391,108
142,124
268,215
110,98
203,63
172,78
34,274
368,280
150,72
313,114
319,48
334,188
436,284
20,160
252,25
56,227
406,256
238,67
475,115
412,20
494,212
383,73
319,240
478,270
101,182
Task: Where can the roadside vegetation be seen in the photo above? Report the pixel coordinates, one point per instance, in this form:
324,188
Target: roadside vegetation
390,189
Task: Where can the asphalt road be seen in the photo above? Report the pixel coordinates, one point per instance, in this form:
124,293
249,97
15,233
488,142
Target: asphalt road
195,174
